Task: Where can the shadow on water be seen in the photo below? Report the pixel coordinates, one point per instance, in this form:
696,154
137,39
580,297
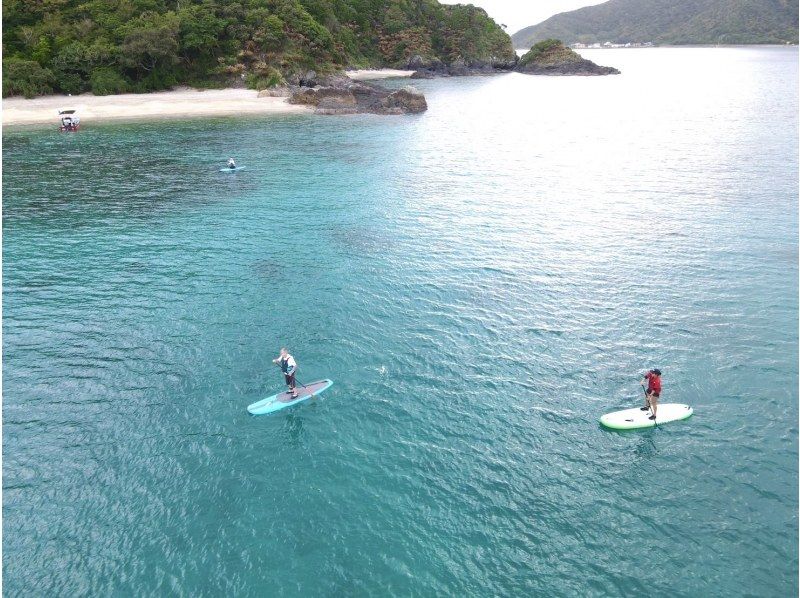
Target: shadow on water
644,441
268,269
292,430
360,239
645,446
478,313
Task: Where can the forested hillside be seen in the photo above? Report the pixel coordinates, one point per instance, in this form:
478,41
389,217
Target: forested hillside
116,46
671,22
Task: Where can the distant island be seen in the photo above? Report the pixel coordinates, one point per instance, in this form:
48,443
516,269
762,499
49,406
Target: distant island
110,47
621,22
551,57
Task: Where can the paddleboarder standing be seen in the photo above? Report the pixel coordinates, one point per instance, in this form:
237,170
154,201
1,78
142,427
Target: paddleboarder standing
288,367
653,392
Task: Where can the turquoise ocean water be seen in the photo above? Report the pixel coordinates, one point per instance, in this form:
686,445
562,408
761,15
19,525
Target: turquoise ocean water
482,282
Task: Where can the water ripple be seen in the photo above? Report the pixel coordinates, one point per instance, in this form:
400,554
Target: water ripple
480,283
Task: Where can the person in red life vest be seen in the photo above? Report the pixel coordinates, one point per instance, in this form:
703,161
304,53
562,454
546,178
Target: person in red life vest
288,367
653,392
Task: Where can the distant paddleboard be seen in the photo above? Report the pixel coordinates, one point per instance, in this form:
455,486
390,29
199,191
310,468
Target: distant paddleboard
633,419
284,399
226,169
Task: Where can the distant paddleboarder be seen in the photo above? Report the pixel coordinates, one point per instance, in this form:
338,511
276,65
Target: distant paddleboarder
653,392
288,367
231,163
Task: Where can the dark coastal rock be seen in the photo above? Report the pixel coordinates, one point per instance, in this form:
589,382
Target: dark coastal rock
405,100
345,96
551,57
418,63
336,80
503,64
275,92
458,68
309,79
582,68
430,68
326,100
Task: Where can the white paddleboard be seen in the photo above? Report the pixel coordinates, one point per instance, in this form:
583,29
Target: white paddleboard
633,419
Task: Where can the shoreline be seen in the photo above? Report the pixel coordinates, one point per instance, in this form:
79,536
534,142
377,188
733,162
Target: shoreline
683,46
179,103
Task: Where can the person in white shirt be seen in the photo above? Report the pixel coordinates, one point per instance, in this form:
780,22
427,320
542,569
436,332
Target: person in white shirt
288,367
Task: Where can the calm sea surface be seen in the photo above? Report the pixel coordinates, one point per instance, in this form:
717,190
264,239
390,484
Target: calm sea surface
482,282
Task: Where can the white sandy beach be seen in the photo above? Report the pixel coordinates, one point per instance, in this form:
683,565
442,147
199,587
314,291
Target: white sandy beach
165,104
179,103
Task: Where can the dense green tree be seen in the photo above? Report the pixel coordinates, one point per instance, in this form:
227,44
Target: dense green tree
26,77
106,81
109,46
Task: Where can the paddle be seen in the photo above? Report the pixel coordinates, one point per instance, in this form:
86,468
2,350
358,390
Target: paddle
649,407
313,396
646,398
298,381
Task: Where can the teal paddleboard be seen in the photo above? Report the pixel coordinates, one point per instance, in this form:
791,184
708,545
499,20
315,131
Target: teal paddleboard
634,419
283,400
226,169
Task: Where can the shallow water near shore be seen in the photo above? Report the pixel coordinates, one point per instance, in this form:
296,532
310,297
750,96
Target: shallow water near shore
482,282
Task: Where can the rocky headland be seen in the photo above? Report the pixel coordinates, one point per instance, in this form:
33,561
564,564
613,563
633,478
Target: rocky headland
428,68
338,94
551,57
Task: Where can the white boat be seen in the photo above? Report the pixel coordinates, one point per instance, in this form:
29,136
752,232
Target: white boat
69,120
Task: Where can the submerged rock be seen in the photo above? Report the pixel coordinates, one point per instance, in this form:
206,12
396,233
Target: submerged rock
551,57
344,96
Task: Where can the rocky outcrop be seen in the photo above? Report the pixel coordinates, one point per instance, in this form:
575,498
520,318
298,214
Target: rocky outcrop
275,92
429,68
326,100
582,68
341,95
307,79
551,57
405,100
